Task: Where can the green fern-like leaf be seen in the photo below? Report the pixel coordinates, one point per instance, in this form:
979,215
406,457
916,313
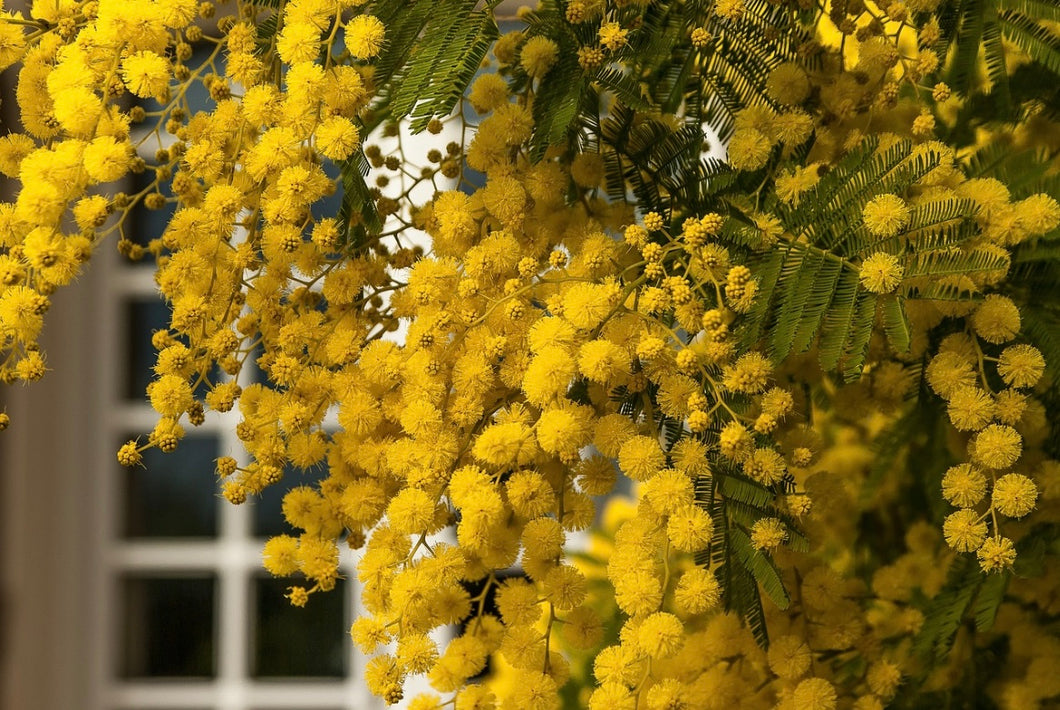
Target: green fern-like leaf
896,323
760,566
991,594
947,609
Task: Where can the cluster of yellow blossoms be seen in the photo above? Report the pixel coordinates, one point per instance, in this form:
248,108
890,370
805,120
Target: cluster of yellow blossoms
558,347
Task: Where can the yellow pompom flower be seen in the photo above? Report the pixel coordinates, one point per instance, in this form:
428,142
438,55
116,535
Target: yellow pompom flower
749,375
364,36
963,485
788,84
1021,365
411,512
996,320
612,35
146,74
170,396
641,458
505,444
964,530
697,591
298,42
637,591
749,149
488,92
1040,213
535,690
789,657
369,632
583,628
1014,495
885,215
280,555
538,55
617,665
814,694
668,491
997,447
565,587
661,635
601,360
883,678
689,529
949,371
529,494
881,272
12,41
765,466
384,677
416,653
587,169
996,554
336,138
970,408
562,430
518,602
548,375
318,559
107,159
768,534
475,697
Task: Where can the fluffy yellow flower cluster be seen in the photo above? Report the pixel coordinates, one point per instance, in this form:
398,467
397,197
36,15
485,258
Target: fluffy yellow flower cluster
593,315
997,419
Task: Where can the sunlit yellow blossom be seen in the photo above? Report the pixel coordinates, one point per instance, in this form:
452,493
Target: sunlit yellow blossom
146,74
660,635
364,36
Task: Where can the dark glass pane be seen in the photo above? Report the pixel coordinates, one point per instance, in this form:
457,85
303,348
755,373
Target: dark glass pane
290,641
175,494
267,515
143,224
168,627
143,318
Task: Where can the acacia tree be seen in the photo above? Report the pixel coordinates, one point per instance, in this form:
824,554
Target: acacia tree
822,360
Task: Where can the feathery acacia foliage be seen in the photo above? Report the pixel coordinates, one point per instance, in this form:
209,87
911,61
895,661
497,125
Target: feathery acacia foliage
825,365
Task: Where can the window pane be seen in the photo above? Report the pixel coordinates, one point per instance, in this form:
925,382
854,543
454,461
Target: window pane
168,626
175,494
143,224
291,641
143,318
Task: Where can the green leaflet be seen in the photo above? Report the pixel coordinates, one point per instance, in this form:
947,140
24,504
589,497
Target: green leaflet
1041,44
760,566
947,609
896,323
357,212
991,594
